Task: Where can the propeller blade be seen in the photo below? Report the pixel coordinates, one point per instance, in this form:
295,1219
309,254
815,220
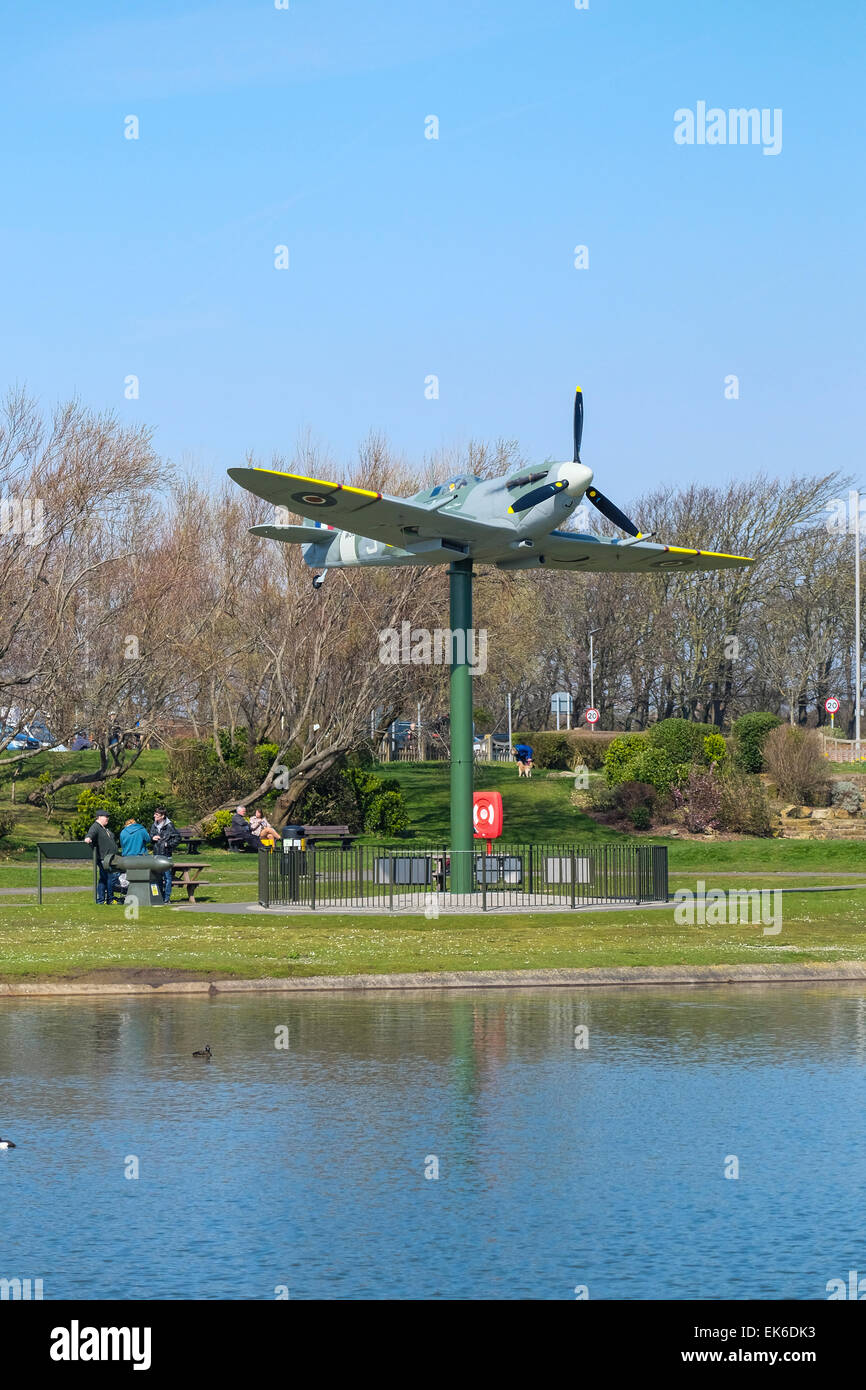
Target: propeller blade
538,494
608,509
578,423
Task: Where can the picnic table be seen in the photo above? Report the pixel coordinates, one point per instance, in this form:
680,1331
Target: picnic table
187,874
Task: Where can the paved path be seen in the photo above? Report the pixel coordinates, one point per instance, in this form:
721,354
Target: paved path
401,909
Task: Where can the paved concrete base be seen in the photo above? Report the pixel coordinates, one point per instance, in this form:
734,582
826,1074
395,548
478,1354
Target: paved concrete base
470,905
412,907
816,972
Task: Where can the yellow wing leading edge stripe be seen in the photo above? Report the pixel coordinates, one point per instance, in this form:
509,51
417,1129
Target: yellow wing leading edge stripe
711,554
319,482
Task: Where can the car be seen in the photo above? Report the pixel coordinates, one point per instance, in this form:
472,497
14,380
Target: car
22,740
37,728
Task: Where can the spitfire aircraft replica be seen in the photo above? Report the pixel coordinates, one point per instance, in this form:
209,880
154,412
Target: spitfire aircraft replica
511,522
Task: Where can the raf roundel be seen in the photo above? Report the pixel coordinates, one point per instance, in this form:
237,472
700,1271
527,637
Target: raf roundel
313,499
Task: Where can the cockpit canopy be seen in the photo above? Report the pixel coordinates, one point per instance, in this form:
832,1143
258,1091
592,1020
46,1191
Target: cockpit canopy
462,480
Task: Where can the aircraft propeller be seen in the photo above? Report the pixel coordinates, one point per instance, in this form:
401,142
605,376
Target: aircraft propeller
574,477
538,494
602,504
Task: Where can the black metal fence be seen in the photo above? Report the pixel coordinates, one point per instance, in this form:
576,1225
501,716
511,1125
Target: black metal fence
432,878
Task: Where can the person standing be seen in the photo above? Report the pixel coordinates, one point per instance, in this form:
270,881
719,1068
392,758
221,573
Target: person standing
166,839
105,845
134,839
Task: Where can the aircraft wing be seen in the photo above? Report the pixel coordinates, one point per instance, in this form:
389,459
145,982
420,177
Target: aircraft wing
394,520
297,535
569,550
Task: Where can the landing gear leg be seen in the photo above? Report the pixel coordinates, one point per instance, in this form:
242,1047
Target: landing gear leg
319,579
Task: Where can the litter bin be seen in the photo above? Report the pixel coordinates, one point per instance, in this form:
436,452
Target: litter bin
294,862
145,873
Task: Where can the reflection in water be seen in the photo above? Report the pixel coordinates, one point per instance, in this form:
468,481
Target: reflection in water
557,1166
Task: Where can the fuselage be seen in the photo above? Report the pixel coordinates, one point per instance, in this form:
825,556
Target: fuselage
487,500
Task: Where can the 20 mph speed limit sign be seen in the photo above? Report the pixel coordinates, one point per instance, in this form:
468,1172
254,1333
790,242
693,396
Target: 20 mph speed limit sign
592,716
831,705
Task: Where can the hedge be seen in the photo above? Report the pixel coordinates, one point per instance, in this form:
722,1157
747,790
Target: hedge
565,749
750,734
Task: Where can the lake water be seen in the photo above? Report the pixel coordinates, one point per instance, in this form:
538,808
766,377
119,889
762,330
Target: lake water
558,1167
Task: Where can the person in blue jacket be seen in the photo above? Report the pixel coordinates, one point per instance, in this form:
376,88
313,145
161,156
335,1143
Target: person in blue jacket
523,754
134,839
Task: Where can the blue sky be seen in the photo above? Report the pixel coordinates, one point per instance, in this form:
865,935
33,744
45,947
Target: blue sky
454,257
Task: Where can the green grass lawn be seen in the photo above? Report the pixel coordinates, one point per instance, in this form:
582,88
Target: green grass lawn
535,810
33,824
70,937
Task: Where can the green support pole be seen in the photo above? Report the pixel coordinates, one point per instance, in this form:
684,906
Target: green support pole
460,573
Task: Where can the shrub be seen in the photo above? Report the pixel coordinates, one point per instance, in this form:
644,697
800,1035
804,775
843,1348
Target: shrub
213,827
200,780
846,795
601,798
588,750
715,749
628,796
750,733
703,800
356,797
745,806
8,823
641,818
548,749
681,739
655,766
793,759
387,813
621,753
198,777
121,798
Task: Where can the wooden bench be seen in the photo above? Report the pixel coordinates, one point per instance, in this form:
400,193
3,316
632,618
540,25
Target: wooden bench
190,837
314,833
238,846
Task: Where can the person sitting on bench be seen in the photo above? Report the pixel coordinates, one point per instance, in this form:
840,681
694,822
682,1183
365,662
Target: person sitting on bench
238,831
262,829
